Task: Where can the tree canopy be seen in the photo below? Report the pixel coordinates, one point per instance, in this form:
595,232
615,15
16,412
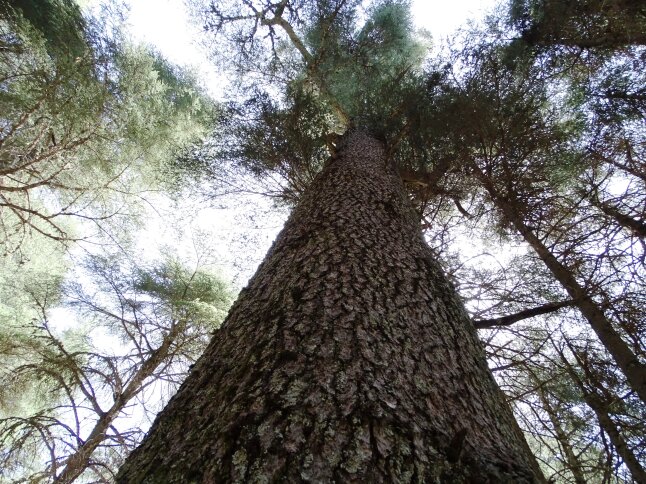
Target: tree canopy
528,136
531,133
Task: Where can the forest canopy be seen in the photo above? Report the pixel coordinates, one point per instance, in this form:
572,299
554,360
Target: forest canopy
520,144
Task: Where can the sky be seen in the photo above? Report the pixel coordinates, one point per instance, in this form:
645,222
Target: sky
442,18
165,23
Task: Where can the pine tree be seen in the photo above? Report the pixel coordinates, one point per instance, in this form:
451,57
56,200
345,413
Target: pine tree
89,122
348,357
72,398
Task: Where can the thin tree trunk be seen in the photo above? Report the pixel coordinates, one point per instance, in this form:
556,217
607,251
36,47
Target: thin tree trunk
348,358
633,168
623,356
79,460
636,227
573,464
600,408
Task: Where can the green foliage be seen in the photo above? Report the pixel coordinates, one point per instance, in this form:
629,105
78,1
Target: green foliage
84,133
596,48
290,138
131,334
60,23
370,63
336,65
585,23
29,284
199,294
552,120
88,125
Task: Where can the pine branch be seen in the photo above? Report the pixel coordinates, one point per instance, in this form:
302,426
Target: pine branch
521,315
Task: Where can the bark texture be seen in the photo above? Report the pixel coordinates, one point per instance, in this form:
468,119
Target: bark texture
348,358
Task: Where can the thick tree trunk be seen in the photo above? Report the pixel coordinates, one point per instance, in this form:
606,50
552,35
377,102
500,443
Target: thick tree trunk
348,358
627,361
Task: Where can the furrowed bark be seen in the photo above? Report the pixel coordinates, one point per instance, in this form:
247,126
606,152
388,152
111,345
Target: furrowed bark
348,358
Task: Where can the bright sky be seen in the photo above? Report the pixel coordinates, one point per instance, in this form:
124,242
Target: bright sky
443,17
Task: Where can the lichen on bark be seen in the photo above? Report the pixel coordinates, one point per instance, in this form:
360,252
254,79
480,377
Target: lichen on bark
348,358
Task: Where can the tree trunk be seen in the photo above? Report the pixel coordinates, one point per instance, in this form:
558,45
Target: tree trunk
77,462
572,462
621,446
601,409
626,360
348,358
636,227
